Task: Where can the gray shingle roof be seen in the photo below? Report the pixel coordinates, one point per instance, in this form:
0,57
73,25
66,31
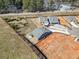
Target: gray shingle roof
53,20
74,31
39,33
49,20
71,18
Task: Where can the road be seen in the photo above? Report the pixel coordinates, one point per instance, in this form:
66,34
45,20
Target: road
37,14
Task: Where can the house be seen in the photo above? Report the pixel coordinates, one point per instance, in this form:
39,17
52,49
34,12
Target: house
59,28
53,20
55,6
49,20
53,24
59,46
43,20
38,34
64,7
72,20
74,32
63,21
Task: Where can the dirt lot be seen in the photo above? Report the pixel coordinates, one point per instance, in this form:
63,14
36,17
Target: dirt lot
59,46
11,45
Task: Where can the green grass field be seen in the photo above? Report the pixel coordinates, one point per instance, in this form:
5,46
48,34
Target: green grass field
12,46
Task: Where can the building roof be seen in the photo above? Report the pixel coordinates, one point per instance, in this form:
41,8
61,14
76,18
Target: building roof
54,20
74,31
59,46
65,7
39,33
70,18
49,20
63,21
42,19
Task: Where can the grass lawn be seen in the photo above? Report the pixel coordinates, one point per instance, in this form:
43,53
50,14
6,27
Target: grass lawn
12,46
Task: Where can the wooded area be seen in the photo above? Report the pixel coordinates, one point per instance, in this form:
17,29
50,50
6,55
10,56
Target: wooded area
33,5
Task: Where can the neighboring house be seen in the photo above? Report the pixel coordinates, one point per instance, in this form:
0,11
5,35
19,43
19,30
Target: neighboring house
74,26
53,20
62,7
65,7
51,6
49,20
64,22
38,34
42,19
59,46
53,24
55,6
59,28
72,20
74,32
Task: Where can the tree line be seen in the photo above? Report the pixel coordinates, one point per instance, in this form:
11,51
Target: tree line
5,3
39,5
31,5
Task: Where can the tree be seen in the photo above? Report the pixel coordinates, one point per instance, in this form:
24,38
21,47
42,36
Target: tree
5,3
40,5
1,4
26,4
33,5
19,4
51,4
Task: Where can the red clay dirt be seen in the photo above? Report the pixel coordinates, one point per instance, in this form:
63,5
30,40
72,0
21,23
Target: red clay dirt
59,46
